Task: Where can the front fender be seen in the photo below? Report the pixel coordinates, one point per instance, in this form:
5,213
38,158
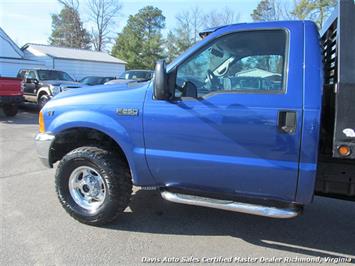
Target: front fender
131,144
44,89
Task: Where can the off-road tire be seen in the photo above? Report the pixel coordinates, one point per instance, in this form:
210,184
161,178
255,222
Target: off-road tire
10,109
42,100
117,178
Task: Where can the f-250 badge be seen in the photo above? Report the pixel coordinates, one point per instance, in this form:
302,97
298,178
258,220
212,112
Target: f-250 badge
127,111
349,132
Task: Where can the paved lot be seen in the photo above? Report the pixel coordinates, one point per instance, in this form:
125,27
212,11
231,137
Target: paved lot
36,230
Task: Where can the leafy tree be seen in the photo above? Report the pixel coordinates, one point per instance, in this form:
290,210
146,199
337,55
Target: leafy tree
316,10
67,28
301,9
141,43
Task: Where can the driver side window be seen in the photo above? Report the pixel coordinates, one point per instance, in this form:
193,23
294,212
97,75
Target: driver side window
30,75
249,62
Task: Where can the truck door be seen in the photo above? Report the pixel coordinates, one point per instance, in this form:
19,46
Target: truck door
242,134
30,87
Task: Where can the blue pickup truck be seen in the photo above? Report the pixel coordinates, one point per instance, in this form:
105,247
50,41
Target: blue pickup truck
255,118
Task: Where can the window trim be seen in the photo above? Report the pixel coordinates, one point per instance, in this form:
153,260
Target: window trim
272,92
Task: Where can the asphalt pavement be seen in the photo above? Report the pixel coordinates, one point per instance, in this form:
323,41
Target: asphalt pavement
36,230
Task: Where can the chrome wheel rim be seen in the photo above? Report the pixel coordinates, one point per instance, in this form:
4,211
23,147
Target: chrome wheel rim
87,188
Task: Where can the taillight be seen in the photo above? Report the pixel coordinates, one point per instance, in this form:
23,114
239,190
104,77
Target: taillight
344,150
22,86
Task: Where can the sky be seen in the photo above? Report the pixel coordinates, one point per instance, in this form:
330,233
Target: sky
29,21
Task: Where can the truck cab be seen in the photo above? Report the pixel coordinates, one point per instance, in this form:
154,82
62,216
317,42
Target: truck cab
233,123
238,107
40,85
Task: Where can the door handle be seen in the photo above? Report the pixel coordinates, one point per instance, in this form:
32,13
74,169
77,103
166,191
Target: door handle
287,122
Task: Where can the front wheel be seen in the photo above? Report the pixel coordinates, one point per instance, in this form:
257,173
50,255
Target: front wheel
93,185
10,109
42,100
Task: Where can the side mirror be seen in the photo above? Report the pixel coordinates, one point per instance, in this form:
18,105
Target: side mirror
34,81
161,88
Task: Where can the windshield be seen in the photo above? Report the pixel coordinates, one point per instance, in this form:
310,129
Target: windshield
53,75
136,75
91,80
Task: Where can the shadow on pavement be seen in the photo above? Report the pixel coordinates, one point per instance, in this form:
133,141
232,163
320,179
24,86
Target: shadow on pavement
326,229
27,115
30,107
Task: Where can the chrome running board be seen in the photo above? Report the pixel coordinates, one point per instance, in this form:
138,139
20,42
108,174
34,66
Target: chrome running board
227,205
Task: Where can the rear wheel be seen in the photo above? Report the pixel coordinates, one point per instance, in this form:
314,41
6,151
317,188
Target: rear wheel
93,185
42,100
10,109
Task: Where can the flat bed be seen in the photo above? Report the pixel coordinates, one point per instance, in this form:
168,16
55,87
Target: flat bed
336,172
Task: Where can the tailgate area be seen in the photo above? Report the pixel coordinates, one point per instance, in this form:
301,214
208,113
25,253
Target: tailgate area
336,170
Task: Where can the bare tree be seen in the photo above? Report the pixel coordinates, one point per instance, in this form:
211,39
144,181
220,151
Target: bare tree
229,16
284,9
102,14
268,10
218,18
197,22
190,23
73,4
316,10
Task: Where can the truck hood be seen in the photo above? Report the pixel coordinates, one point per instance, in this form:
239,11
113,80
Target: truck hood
59,82
100,95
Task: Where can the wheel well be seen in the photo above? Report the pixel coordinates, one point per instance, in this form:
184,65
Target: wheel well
73,138
41,93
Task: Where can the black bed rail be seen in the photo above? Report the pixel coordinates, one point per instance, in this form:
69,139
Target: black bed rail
338,42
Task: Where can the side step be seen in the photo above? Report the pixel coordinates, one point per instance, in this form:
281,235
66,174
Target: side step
227,205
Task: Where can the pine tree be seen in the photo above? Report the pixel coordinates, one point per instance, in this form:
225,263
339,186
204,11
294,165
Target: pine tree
68,30
141,43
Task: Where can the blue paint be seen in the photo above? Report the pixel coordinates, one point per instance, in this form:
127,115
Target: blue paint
227,142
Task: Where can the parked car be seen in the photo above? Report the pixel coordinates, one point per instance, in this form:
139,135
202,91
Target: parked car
40,85
120,81
137,75
202,138
131,76
95,80
11,95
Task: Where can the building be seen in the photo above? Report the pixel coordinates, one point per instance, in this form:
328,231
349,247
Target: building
260,73
78,63
12,57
